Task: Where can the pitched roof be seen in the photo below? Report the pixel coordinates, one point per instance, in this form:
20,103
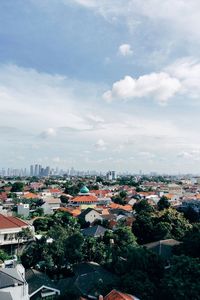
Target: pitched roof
86,199
9,277
36,279
116,295
52,200
11,222
94,231
86,211
30,196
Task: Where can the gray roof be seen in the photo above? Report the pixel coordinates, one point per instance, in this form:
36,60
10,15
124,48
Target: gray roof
94,231
5,296
163,247
92,279
10,277
36,279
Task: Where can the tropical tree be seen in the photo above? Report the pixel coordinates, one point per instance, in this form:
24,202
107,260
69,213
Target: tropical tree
181,281
163,203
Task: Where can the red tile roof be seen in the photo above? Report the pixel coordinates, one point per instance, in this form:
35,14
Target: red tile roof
86,199
11,222
115,295
55,191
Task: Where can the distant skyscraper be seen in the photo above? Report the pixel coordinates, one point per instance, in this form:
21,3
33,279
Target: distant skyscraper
31,170
36,172
111,175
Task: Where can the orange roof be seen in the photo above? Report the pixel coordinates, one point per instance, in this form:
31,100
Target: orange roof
30,196
11,222
146,193
86,199
100,192
115,295
105,211
125,207
74,212
169,196
54,191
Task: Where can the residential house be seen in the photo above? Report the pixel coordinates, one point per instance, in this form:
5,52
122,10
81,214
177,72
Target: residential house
40,286
94,231
163,247
116,295
9,229
13,285
90,215
50,205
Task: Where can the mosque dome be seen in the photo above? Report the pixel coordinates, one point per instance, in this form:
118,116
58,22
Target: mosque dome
84,190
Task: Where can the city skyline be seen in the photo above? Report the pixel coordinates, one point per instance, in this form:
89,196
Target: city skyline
99,85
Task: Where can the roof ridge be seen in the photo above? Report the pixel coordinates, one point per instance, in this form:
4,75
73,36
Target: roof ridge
11,276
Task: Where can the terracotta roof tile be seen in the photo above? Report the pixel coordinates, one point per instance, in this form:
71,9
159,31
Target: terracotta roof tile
11,222
86,199
116,295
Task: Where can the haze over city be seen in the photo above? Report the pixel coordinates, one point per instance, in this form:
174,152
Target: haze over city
99,85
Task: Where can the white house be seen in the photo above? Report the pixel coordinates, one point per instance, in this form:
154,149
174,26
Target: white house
50,205
13,285
90,215
9,229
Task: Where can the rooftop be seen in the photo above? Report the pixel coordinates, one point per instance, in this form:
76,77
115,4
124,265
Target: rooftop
11,222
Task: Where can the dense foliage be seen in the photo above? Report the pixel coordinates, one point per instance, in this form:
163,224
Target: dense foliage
141,272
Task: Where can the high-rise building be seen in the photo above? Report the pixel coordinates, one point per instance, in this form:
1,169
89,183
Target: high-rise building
36,171
111,175
31,170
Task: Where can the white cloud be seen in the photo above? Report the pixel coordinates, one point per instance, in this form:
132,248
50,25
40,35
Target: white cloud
125,50
193,154
50,132
161,86
41,100
187,71
101,145
56,159
181,16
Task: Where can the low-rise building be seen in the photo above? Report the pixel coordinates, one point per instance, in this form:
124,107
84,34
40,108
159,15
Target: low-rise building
13,285
10,228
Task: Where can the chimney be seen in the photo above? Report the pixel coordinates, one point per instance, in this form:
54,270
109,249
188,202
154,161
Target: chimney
100,297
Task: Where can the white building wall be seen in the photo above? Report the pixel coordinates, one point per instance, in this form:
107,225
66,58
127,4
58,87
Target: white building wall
18,292
92,216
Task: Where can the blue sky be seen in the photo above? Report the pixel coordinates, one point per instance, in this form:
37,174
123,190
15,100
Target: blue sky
108,84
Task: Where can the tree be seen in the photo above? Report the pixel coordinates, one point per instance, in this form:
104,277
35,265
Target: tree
163,203
41,224
179,225
191,243
64,199
123,239
17,187
24,235
94,250
118,200
143,206
123,194
143,228
181,281
39,211
191,214
140,273
3,255
161,231
73,248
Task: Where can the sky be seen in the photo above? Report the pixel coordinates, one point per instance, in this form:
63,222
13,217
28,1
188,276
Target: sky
110,84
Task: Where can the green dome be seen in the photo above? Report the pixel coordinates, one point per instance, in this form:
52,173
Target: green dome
84,190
